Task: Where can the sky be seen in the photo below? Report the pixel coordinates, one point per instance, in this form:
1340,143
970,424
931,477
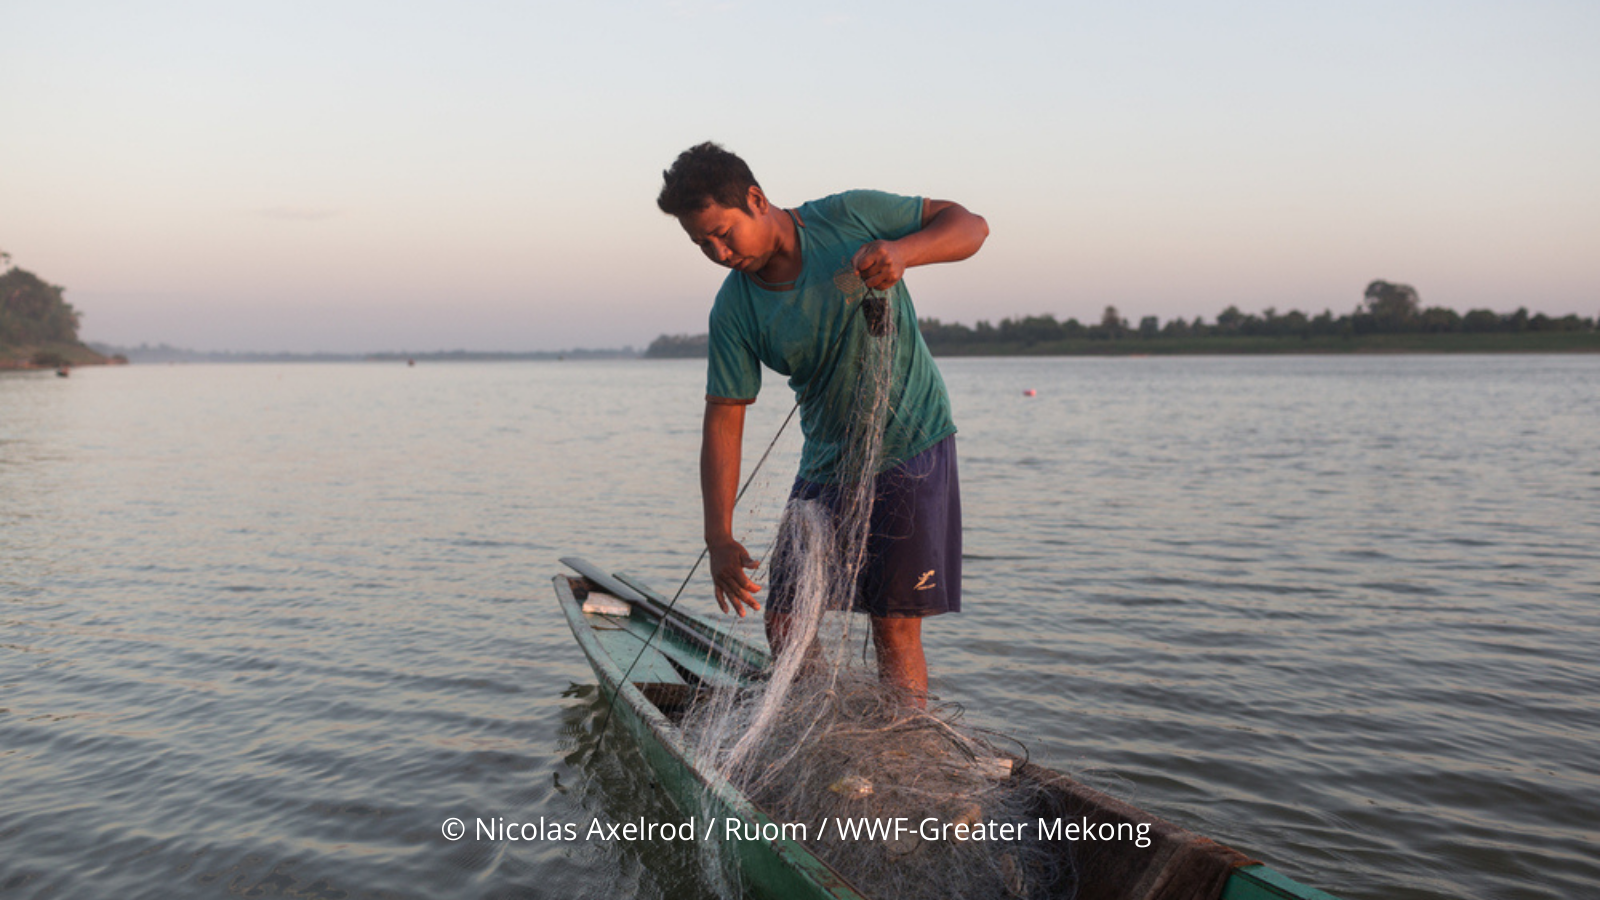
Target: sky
363,176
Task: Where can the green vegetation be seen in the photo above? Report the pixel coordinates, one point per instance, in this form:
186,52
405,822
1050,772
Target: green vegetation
1519,342
1390,319
38,328
678,346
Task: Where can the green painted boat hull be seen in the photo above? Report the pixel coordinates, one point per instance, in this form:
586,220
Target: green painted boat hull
777,869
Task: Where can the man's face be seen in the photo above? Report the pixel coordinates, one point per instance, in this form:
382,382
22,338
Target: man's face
731,237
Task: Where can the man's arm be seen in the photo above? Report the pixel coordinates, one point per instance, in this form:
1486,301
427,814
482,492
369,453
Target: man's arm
949,233
721,442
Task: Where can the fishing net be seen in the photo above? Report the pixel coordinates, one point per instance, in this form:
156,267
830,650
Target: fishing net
822,741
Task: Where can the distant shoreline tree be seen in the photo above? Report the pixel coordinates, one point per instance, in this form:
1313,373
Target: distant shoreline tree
1392,307
33,311
38,327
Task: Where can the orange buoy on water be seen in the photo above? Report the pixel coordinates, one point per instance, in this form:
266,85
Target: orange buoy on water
1030,392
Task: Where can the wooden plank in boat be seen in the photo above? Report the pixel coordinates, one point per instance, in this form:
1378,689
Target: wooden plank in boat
652,667
600,579
605,622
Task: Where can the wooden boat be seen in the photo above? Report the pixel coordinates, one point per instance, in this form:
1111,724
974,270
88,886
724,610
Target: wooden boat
622,624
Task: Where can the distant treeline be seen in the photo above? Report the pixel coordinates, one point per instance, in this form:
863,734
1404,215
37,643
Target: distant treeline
507,356
1386,310
163,353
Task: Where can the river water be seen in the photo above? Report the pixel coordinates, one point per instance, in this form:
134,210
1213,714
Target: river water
264,628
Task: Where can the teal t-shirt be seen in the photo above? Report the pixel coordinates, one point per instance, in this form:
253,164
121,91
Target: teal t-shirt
815,334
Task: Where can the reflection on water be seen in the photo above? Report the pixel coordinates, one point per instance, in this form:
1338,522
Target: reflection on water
264,628
617,786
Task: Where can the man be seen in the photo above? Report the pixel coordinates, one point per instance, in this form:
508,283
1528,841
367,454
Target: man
783,307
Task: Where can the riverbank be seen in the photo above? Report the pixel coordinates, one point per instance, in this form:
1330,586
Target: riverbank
53,355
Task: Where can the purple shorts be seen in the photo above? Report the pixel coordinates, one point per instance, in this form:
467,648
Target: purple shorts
913,564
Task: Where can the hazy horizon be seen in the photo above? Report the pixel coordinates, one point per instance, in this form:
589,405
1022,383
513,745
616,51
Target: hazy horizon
302,178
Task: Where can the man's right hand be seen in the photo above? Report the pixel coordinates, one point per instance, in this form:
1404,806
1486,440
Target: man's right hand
728,562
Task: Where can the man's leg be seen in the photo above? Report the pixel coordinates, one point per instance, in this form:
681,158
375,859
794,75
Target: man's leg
901,663
778,625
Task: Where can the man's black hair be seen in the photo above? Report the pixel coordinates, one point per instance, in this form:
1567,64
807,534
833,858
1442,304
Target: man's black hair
702,175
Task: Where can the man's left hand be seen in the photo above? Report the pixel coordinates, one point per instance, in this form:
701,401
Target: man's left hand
880,264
